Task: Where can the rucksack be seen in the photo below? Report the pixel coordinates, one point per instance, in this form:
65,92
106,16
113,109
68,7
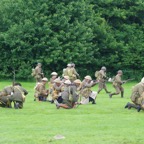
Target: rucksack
33,72
96,74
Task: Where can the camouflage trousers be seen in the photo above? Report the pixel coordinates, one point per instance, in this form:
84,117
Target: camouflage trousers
139,101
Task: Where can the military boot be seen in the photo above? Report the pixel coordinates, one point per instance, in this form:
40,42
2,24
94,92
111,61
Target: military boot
122,94
107,91
127,105
93,102
135,106
16,105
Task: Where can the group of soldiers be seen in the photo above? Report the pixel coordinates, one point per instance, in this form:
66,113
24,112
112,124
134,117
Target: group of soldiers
65,92
69,91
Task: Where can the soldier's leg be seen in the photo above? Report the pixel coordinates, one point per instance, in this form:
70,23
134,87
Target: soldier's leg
105,88
92,100
115,93
66,104
122,92
127,105
134,106
100,87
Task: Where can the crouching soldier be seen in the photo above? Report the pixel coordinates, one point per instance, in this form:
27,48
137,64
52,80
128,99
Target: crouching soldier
57,89
51,83
5,97
66,102
87,94
18,96
41,93
5,100
137,97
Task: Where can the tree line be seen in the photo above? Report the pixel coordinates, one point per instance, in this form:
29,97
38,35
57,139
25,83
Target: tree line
88,33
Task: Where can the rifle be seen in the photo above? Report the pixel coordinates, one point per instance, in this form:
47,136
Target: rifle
125,81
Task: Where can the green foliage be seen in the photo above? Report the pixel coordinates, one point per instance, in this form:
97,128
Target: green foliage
87,32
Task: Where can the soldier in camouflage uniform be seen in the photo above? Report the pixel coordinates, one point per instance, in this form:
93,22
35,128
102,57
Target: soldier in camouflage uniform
101,78
117,84
66,102
75,91
52,79
57,89
137,97
74,71
5,96
18,96
14,94
87,94
38,73
70,71
41,93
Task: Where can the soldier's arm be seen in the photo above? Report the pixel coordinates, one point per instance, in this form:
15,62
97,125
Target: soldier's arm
24,90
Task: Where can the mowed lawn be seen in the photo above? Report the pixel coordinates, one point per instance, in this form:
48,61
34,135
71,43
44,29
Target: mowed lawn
107,122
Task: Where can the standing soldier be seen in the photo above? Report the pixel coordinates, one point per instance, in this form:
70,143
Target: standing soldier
117,84
76,75
38,73
137,96
41,93
101,78
70,71
87,94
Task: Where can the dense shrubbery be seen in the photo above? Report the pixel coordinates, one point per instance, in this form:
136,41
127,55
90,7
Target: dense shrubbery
87,32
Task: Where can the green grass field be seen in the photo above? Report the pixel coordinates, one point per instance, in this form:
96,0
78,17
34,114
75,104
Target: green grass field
107,122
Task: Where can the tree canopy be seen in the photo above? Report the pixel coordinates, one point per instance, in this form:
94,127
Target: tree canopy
87,32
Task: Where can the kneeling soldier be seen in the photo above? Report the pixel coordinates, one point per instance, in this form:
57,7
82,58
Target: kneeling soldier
137,97
87,94
41,93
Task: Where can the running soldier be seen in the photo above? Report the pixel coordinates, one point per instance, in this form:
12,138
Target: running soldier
102,78
117,84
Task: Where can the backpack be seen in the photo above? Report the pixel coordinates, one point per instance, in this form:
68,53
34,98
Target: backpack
96,74
33,72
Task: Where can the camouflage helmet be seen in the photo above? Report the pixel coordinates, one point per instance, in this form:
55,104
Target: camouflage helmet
119,72
88,77
54,74
44,79
103,68
77,81
66,77
57,80
67,82
142,80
